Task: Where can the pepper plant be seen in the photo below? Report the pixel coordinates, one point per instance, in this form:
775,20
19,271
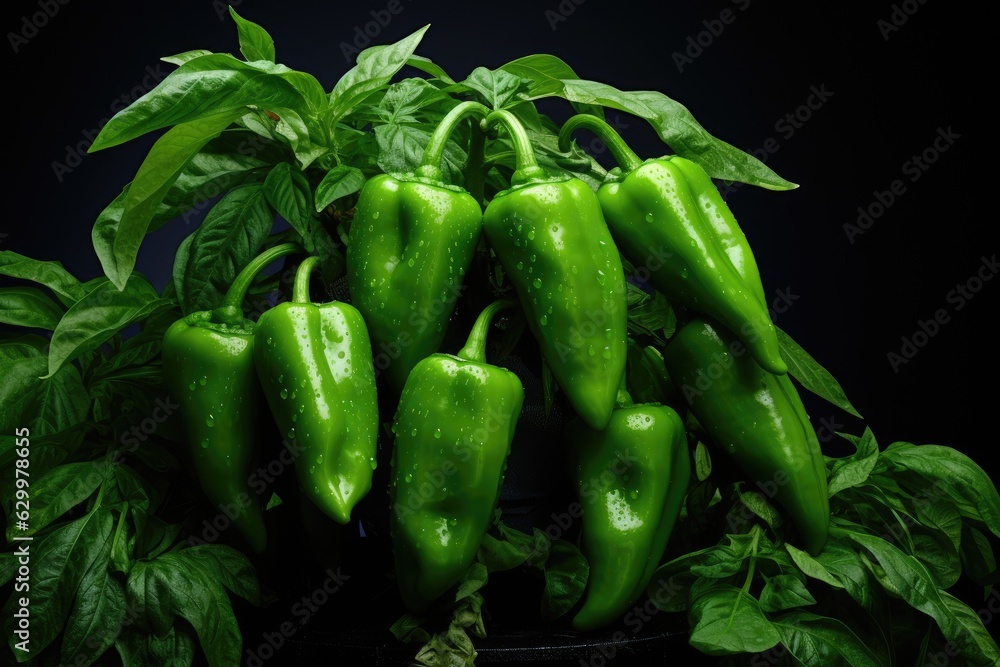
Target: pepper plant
418,196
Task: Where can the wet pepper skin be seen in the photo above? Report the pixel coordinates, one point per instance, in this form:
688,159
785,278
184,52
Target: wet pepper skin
554,246
758,419
410,244
315,365
632,478
453,429
209,366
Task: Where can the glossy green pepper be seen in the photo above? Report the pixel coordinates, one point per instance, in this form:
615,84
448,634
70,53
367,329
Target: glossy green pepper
553,244
758,419
411,241
669,220
315,365
208,367
632,478
453,429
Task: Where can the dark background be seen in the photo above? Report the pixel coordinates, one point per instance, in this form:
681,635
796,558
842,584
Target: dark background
890,89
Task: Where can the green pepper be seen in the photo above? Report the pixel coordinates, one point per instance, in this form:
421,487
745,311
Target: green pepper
669,221
632,478
550,237
315,364
411,241
453,429
208,367
757,418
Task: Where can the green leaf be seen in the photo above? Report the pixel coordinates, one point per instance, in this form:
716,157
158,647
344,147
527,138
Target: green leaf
401,148
846,565
785,591
502,555
59,491
950,473
818,640
288,191
117,245
566,574
910,579
426,65
98,614
811,374
233,569
175,648
98,316
375,67
50,274
545,73
214,85
255,43
812,567
758,504
46,406
726,620
855,469
339,182
182,58
498,88
677,128
173,585
978,559
28,307
229,238
59,563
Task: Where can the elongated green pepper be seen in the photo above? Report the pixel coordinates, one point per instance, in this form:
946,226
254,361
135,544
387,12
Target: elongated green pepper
315,365
757,418
669,220
208,367
453,430
553,244
632,478
412,239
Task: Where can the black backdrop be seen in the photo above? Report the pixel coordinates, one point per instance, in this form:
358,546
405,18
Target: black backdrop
868,90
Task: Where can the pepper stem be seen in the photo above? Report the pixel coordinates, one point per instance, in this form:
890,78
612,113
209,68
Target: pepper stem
625,156
623,399
527,168
300,289
475,347
430,164
231,310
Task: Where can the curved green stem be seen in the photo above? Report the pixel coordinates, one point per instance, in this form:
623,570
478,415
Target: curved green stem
300,290
475,347
231,311
527,168
625,156
430,164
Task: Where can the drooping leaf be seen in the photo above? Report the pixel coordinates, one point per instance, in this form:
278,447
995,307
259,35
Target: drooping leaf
811,374
118,243
98,316
28,307
50,274
216,84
